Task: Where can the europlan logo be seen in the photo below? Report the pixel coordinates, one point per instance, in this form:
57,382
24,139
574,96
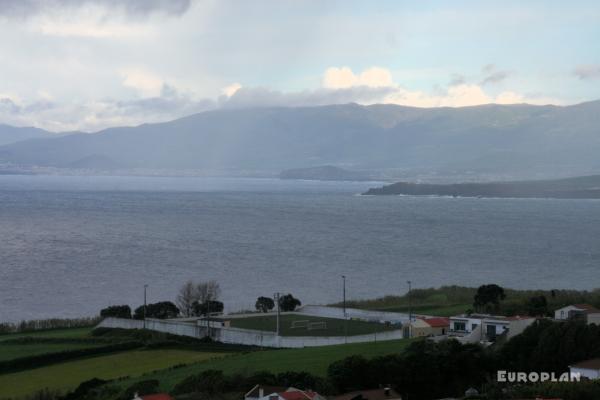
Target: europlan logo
533,377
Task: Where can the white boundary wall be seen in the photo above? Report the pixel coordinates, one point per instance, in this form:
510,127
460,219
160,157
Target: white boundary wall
338,312
246,336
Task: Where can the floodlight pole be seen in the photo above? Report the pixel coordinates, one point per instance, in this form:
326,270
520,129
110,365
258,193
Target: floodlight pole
278,311
409,301
145,287
344,304
344,294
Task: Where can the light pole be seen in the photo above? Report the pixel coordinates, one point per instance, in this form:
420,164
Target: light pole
344,294
276,295
409,302
145,287
344,305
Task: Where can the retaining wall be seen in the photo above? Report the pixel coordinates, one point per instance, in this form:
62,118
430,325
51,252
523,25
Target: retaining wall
245,336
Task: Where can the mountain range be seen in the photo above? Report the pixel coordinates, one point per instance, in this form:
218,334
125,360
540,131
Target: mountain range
516,140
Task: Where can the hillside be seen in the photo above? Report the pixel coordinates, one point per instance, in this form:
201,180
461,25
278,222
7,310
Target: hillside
586,187
11,134
513,140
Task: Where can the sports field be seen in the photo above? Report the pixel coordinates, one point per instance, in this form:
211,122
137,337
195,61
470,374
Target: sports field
303,325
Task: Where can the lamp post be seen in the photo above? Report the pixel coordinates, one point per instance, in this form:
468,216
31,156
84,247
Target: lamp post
409,302
276,296
344,305
344,294
145,287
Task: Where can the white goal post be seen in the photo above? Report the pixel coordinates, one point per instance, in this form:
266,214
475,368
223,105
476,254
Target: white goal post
300,324
317,325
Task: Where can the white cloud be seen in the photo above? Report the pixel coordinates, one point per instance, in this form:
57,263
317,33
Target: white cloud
145,82
459,93
343,77
230,90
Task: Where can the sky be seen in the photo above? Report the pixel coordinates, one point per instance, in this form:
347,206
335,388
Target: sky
91,64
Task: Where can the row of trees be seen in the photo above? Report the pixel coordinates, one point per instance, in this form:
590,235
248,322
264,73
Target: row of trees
194,299
489,298
286,303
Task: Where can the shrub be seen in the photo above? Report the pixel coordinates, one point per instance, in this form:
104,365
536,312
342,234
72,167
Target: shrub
123,311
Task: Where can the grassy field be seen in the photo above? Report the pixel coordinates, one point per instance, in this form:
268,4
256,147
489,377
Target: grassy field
71,333
9,351
334,327
68,375
311,359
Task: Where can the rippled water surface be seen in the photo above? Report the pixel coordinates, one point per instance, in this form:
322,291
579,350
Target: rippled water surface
71,245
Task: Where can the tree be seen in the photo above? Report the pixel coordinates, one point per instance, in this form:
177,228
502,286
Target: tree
264,304
160,310
209,290
488,298
209,382
288,303
188,294
537,306
192,293
210,306
350,373
123,311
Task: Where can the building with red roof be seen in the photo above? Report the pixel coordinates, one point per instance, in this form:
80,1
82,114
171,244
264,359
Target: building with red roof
157,396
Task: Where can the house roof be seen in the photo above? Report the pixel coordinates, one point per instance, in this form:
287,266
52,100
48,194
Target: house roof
158,396
373,394
298,395
438,322
254,392
594,364
586,307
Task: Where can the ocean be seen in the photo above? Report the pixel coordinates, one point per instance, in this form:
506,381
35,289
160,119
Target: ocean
70,246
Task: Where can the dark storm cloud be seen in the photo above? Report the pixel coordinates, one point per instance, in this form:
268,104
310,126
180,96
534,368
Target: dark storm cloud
133,8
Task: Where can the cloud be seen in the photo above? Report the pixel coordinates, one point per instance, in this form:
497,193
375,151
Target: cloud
491,75
264,97
91,116
231,89
156,100
131,8
145,82
457,79
587,72
340,78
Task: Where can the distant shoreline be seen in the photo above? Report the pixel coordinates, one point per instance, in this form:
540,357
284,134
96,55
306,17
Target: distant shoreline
586,187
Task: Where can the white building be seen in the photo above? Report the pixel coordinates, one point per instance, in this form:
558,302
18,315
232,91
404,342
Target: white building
487,327
587,369
587,312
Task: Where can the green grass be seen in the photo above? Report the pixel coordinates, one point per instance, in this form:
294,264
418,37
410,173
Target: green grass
335,327
69,333
68,375
10,351
311,359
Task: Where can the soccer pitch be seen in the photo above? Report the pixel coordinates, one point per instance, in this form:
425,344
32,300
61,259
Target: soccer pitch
304,325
